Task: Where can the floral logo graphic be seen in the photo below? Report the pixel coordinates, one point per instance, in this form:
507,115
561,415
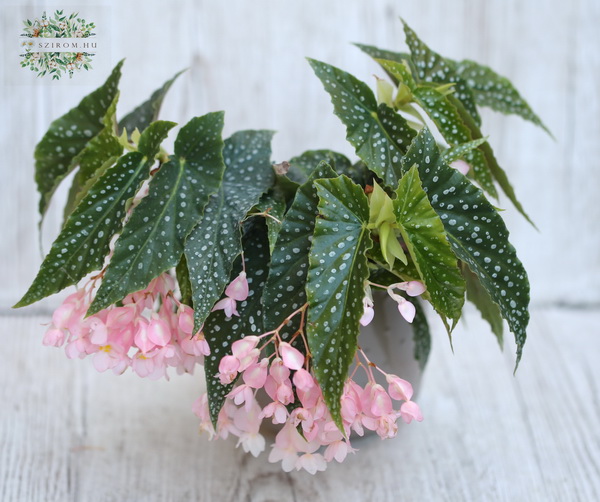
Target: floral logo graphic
39,55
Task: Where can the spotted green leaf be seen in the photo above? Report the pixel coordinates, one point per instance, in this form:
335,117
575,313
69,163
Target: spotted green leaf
216,241
183,280
84,240
148,111
431,67
336,284
303,165
221,331
489,310
476,232
386,55
497,92
57,153
379,135
450,124
497,172
101,152
456,152
274,205
285,289
153,238
426,240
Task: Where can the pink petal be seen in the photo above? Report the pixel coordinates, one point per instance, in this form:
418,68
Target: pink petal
367,316
229,364
228,306
292,358
238,289
303,380
241,348
407,310
54,337
415,288
410,411
186,320
399,389
159,332
141,337
256,374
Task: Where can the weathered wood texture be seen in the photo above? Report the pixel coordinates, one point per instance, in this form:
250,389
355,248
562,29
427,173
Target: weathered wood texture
68,433
247,57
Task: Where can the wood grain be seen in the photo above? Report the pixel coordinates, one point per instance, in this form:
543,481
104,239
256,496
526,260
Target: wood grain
248,59
68,433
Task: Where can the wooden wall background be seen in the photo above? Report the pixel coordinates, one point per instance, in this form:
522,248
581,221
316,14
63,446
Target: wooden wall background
247,57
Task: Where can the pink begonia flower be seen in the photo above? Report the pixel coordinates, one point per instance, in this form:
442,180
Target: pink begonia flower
141,336
228,369
276,410
141,365
242,394
241,348
248,360
158,331
461,166
292,357
285,447
63,314
228,305
399,389
407,310
256,375
338,450
119,317
303,380
197,346
278,371
54,337
409,411
186,319
285,394
98,331
368,315
311,462
415,288
238,288
248,421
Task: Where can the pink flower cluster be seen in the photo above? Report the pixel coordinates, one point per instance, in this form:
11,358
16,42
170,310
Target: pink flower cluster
150,332
280,388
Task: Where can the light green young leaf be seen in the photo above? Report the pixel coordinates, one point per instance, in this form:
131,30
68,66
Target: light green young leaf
496,91
84,240
221,331
383,221
57,153
476,232
386,55
426,240
379,135
215,243
285,288
431,67
152,240
146,113
336,284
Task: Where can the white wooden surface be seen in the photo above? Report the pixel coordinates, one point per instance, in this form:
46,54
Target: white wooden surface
68,433
247,57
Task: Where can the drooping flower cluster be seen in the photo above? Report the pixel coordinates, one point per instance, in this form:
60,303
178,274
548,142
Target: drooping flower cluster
280,388
150,332
406,308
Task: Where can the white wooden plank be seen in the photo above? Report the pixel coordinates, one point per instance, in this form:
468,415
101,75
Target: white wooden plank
248,58
68,433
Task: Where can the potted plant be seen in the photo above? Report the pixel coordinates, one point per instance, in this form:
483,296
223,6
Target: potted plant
264,273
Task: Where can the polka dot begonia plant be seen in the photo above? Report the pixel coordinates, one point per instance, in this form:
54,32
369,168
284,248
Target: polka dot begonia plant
263,273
